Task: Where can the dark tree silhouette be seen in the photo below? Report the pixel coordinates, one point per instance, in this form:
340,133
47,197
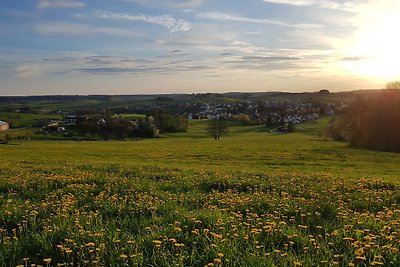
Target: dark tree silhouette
216,128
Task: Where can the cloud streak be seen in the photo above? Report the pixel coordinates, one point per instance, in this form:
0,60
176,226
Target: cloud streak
81,29
167,21
27,71
228,17
60,4
349,6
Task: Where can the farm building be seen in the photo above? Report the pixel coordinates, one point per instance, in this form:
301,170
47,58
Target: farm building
3,126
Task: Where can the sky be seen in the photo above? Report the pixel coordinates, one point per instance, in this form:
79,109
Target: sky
174,46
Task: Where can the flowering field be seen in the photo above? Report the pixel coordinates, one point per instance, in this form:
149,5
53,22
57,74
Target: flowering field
252,199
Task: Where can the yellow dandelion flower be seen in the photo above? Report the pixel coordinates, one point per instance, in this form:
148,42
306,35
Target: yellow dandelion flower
359,251
217,260
376,263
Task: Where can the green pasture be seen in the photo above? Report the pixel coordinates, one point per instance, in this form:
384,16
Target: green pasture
20,120
254,198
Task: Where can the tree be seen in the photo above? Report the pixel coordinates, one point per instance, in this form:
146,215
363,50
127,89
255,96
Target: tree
8,138
393,85
216,128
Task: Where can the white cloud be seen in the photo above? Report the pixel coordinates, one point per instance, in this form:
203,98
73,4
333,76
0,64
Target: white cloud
73,28
27,71
167,21
348,6
60,4
189,3
227,17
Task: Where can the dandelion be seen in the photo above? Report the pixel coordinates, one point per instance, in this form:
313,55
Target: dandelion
217,260
376,263
359,252
157,243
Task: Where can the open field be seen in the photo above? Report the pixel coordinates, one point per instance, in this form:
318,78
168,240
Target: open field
252,199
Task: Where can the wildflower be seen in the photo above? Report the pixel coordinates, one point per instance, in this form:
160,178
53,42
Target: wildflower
376,263
359,252
217,260
157,243
123,256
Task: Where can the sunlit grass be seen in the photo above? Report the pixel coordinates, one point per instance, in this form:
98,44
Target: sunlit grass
252,199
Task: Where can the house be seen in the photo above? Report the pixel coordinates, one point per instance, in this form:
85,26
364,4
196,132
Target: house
3,126
74,119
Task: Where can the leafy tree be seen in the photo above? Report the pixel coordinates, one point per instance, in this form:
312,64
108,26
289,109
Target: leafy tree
371,123
244,118
216,128
8,138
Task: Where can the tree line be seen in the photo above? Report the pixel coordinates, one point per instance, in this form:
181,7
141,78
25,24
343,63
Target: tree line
108,127
372,123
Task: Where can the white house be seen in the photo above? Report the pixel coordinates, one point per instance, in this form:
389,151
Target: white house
3,126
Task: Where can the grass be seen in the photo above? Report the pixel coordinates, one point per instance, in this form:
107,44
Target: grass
252,199
23,120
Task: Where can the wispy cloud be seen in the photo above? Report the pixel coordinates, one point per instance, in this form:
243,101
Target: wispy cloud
27,71
60,4
355,58
189,3
346,5
228,17
167,21
74,28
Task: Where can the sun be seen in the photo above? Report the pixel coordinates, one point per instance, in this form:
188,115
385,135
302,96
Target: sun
375,52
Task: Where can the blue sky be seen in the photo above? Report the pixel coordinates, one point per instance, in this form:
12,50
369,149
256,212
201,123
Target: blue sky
173,46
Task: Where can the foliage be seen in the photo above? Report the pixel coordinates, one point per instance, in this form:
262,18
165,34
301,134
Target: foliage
371,123
216,128
119,128
169,123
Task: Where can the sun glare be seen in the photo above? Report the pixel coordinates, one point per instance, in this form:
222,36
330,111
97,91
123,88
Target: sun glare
376,51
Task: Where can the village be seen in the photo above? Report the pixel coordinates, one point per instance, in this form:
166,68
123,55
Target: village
278,116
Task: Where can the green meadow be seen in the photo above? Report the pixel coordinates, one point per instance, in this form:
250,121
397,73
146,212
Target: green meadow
254,198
